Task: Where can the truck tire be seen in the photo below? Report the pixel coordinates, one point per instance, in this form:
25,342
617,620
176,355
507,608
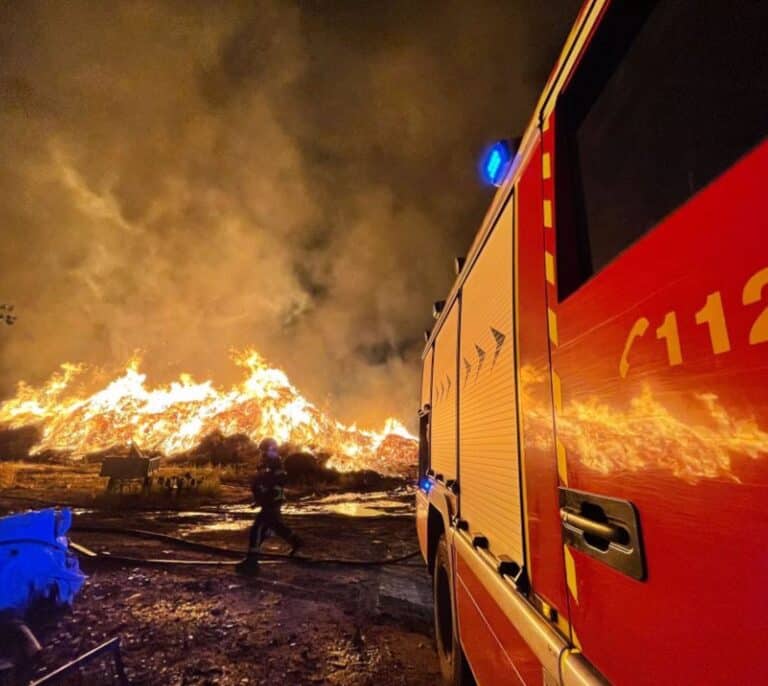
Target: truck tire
453,665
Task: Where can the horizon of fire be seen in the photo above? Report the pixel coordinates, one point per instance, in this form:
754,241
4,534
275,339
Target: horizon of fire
176,417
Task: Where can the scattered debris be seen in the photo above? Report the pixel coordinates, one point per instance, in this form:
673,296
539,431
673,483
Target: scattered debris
111,648
296,624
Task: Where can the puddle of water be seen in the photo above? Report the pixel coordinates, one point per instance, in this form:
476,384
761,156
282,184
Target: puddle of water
376,504
183,514
221,525
402,496
380,509
239,517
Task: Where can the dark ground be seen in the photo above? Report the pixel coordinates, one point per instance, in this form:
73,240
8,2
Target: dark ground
296,623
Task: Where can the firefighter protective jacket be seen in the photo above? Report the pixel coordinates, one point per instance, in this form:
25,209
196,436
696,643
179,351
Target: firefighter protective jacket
268,486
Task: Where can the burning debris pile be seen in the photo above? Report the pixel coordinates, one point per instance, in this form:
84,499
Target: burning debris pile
187,417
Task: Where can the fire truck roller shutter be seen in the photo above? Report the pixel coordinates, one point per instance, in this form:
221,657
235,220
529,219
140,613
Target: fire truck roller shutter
443,446
488,453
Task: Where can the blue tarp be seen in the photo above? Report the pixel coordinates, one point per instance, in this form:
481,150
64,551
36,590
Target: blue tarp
35,561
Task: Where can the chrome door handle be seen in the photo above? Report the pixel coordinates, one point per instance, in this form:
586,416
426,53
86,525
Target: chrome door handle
604,530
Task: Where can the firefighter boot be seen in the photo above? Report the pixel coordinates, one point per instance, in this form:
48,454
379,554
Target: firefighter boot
249,566
296,543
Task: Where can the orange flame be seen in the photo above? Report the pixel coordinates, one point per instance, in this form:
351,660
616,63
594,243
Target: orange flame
174,418
645,433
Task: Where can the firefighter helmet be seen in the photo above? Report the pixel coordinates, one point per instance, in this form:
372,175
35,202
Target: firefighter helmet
268,448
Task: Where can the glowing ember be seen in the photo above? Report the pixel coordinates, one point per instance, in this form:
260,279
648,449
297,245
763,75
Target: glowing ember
175,418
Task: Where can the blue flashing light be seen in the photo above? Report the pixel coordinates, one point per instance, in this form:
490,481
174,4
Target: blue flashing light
496,163
425,484
35,561
493,164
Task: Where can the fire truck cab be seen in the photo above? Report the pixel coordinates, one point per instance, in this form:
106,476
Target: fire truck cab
592,502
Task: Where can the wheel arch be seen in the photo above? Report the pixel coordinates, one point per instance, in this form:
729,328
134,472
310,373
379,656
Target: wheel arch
438,524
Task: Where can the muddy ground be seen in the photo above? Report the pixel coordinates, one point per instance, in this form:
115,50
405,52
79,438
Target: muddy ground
297,622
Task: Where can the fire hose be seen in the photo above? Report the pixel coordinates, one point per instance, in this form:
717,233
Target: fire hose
234,555
211,550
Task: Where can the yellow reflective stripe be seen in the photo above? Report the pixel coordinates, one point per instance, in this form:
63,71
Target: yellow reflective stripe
570,576
557,392
562,463
575,640
552,319
549,267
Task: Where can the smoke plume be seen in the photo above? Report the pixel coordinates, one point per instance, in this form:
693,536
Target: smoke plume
185,177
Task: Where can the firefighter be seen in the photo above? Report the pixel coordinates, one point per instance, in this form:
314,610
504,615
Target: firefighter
267,486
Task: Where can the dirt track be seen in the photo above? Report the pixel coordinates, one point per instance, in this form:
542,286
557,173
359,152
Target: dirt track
294,624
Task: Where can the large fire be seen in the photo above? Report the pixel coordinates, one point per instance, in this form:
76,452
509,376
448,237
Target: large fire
175,418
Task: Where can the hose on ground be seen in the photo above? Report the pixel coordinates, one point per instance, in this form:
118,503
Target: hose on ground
234,554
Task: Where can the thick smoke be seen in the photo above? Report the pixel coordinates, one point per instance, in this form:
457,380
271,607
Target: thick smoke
186,177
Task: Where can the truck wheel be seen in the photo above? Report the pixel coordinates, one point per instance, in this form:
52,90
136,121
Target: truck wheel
452,662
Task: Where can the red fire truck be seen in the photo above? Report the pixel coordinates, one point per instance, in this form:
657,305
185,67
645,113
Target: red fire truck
593,504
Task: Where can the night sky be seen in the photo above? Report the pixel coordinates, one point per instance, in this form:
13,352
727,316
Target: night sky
186,177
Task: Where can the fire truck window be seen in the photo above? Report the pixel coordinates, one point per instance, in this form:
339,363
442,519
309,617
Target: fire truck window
668,96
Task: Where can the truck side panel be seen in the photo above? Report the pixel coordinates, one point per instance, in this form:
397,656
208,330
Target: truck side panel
534,266
444,397
491,644
424,443
682,435
659,337
426,379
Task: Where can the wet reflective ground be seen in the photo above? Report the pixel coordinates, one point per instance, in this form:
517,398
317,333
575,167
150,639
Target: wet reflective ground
238,517
293,624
